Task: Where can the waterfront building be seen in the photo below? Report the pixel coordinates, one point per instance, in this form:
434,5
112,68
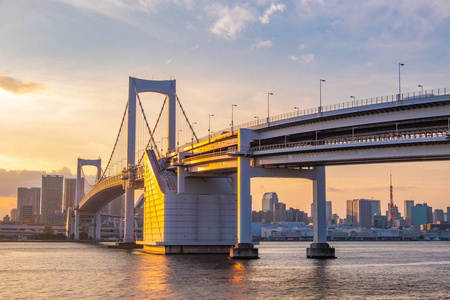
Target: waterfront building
268,201
380,221
421,215
262,216
360,212
29,197
408,211
279,212
70,190
296,215
329,212
376,210
15,215
52,196
438,215
26,214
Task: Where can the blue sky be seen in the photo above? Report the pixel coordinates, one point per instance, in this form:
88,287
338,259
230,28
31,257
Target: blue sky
65,66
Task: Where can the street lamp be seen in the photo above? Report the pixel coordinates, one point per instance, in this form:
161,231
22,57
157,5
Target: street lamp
232,105
354,100
209,127
178,137
399,82
320,90
298,110
162,143
421,86
268,94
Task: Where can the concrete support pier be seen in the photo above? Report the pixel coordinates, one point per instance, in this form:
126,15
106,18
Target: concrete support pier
320,248
244,248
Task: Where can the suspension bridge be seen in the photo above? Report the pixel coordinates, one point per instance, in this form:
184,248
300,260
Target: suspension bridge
197,195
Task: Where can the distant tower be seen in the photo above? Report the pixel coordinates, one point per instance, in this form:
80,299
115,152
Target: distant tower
391,207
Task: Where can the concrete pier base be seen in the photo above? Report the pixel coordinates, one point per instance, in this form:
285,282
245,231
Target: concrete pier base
320,250
244,251
186,249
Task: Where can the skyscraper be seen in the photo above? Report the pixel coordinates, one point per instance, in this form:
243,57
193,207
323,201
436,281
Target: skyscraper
29,197
268,201
361,211
279,212
52,196
329,212
408,211
421,214
70,189
438,215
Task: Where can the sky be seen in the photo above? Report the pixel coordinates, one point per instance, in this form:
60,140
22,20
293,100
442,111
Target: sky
65,66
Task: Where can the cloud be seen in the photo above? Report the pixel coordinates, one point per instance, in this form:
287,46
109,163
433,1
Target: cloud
195,47
10,180
262,44
229,21
264,19
16,86
301,46
307,58
169,61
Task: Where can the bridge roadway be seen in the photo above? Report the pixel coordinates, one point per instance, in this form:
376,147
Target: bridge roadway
411,130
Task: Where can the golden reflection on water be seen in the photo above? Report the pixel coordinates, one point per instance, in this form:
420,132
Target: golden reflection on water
153,274
238,272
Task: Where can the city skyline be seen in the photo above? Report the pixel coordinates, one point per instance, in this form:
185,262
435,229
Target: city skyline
65,68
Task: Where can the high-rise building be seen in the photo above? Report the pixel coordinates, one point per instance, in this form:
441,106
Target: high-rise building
70,190
360,212
26,214
448,213
421,214
279,212
52,196
408,211
268,201
438,215
376,210
15,214
380,221
329,212
296,215
29,197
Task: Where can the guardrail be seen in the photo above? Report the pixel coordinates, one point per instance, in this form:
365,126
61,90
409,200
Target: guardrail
203,156
111,181
404,135
333,107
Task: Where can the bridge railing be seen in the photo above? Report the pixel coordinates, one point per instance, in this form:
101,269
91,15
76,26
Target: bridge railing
333,107
403,135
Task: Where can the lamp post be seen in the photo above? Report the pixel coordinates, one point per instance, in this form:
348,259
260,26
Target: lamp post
178,137
232,106
354,100
298,110
320,95
421,86
268,94
209,127
162,143
192,137
399,83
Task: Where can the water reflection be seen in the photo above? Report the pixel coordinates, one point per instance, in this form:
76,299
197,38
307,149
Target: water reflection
190,276
153,273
